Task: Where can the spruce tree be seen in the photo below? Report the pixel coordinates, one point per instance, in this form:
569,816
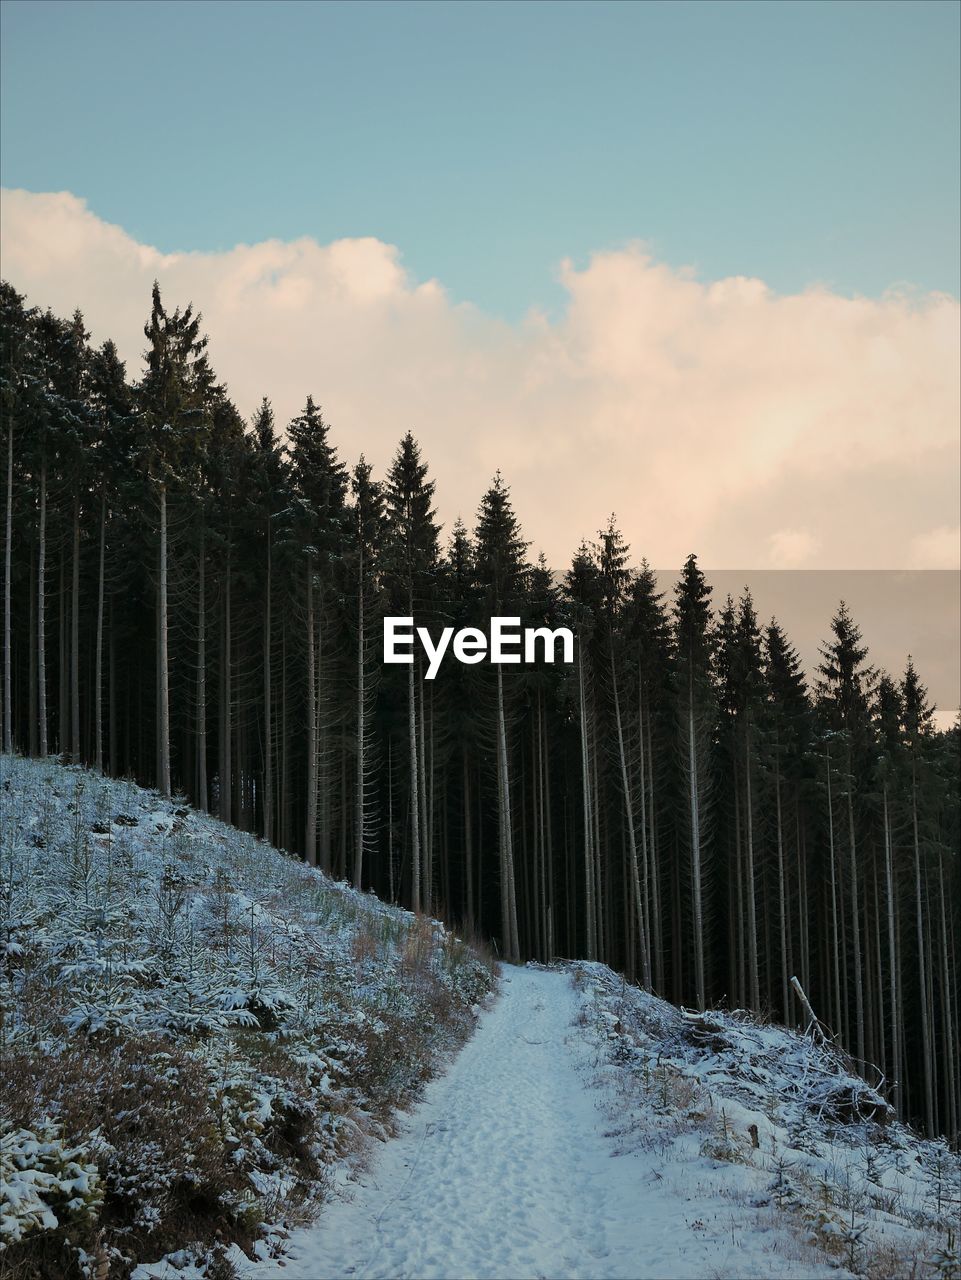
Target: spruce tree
695,709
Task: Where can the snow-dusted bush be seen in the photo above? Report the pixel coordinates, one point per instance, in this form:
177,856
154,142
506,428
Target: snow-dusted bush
46,1183
205,1023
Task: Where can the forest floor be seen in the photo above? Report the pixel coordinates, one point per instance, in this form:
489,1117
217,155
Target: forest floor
512,1166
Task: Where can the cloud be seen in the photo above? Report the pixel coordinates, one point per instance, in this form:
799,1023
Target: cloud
720,417
937,548
790,548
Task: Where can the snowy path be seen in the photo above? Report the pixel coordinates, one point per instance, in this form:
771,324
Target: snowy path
504,1170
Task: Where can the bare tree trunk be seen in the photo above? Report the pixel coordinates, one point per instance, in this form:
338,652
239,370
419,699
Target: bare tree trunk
75,637
426,885
283,800
163,687
7,569
855,917
950,1044
591,940
598,894
803,923
508,890
98,655
657,933
787,960
359,819
113,756
639,906
835,941
390,822
268,813
41,613
548,886
226,701
749,875
201,709
926,1037
414,790
33,735
310,832
889,883
695,819
468,838
63,666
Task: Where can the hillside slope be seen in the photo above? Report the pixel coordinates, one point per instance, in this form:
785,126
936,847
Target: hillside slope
195,1028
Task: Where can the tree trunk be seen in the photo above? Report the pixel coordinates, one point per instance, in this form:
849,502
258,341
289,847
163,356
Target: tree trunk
639,906
75,637
695,819
835,969
226,770
591,941
268,807
201,709
855,917
361,727
7,569
787,963
163,686
41,613
926,1037
889,884
414,791
468,838
310,832
750,886
508,890
426,877
98,654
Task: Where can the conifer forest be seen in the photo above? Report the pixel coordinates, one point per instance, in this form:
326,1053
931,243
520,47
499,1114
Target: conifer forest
196,600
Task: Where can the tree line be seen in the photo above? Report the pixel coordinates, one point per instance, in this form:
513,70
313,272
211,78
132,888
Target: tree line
197,601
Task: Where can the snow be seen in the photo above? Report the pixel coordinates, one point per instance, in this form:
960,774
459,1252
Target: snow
508,1168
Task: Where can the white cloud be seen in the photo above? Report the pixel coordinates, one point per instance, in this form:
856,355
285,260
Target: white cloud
791,548
719,417
937,548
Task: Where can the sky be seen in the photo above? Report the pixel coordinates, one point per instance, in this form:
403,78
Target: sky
799,143
697,264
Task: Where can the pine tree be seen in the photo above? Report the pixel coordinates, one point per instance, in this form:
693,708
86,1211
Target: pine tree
501,567
788,735
918,714
648,637
411,564
271,498
172,394
845,685
320,485
615,579
692,618
113,411
585,593
368,531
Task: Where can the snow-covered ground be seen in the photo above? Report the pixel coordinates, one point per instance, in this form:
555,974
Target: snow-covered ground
546,1152
514,1165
